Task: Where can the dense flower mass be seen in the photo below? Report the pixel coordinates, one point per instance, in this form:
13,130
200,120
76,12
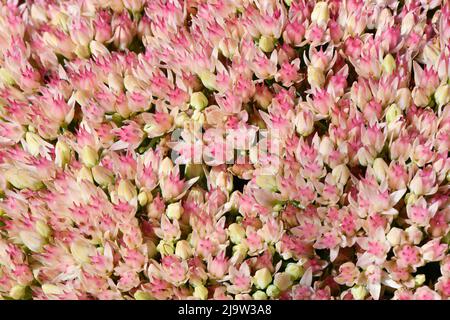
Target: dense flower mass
224,149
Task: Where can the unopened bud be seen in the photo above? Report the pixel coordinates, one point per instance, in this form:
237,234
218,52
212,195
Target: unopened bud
320,14
442,95
142,198
201,292
380,169
43,229
98,49
165,167
282,281
174,211
208,79
236,233
165,248
259,295
142,295
51,289
267,182
419,279
262,278
89,156
6,77
341,173
294,271
266,44
126,190
389,64
102,176
273,291
32,240
198,100
393,112
394,237
17,292
85,174
183,249
22,179
33,143
359,292
62,153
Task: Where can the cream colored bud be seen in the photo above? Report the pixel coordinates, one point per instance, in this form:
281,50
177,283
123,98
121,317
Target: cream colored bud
395,236
183,249
266,44
294,270
359,292
198,100
416,185
62,153
142,295
326,146
102,176
236,233
380,169
413,234
17,292
419,279
89,156
320,14
282,281
316,78
201,292
38,13
51,289
115,82
32,240
126,190
174,211
165,167
22,179
442,95
131,83
193,170
389,64
81,250
165,248
403,98
82,51
267,182
199,117
98,49
228,47
85,174
208,79
6,77
142,198
393,112
181,119
259,295
262,278
273,291
224,181
240,252
43,229
341,173
33,143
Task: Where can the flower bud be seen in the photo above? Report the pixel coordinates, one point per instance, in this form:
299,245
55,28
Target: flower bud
33,143
165,167
49,289
304,123
259,295
326,146
42,228
174,211
183,249
115,82
130,83
442,95
239,252
126,190
294,271
320,14
359,292
267,182
84,174
89,156
22,179
263,97
102,176
81,250
180,119
394,237
341,173
142,295
193,170
419,280
208,79
17,292
262,278
393,112
266,44
98,49
6,77
62,153
32,240
200,292
316,78
142,198
165,248
282,281
389,64
273,291
228,47
236,233
380,169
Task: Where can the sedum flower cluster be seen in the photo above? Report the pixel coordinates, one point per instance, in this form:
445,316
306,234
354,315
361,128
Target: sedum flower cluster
224,149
